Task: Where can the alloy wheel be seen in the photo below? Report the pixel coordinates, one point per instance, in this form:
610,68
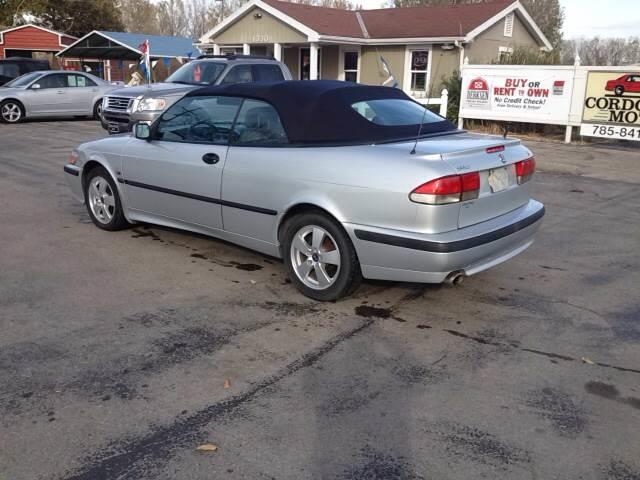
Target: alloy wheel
11,112
315,257
102,200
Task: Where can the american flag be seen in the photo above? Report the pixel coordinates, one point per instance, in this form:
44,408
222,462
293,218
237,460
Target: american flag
146,59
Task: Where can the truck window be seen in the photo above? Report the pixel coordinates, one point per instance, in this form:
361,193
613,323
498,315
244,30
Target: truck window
267,73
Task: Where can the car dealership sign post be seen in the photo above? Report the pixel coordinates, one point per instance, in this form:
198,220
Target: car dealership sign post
601,102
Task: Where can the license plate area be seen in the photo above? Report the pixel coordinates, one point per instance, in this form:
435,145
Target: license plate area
499,179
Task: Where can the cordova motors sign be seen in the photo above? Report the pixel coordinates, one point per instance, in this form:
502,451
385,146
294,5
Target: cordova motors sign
612,105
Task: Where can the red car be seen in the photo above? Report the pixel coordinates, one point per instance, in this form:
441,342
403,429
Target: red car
629,82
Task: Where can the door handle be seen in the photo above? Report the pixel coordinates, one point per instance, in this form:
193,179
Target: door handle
210,158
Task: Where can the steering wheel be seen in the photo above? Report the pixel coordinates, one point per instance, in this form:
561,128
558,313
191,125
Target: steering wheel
203,131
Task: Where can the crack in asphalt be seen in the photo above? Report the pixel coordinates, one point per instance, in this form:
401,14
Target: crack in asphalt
555,356
126,458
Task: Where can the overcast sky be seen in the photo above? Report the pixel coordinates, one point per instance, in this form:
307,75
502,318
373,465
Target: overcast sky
606,18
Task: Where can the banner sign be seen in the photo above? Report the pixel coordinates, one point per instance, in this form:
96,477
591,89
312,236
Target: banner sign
612,105
511,94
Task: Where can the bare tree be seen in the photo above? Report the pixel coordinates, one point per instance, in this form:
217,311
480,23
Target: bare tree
602,51
140,16
341,4
199,17
172,18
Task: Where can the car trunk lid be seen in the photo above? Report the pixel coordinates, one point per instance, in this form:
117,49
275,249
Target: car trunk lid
494,158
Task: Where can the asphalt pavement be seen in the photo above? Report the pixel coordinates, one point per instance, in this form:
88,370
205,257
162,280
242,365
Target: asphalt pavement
121,353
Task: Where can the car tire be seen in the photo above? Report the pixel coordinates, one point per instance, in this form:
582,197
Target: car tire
319,256
619,90
97,110
103,201
11,111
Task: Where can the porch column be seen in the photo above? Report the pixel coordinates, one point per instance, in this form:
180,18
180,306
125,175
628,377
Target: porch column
313,60
246,49
277,51
216,49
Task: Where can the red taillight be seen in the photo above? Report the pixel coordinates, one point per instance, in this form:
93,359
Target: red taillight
451,189
470,186
525,169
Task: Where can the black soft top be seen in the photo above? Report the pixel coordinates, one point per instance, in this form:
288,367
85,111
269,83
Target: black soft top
320,112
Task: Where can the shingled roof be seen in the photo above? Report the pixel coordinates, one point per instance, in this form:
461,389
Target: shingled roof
422,21
442,22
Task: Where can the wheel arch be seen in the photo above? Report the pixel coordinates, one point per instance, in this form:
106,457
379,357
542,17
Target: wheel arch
94,163
304,207
19,102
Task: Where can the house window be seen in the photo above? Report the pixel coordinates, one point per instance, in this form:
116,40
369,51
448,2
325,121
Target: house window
419,70
305,63
508,25
350,66
504,54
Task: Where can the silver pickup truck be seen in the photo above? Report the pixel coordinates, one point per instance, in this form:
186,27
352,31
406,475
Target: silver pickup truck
126,106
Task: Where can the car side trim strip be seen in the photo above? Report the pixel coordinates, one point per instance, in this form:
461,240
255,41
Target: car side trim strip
72,170
449,247
201,198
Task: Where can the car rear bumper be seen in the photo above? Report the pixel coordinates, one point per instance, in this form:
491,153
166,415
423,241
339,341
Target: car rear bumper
414,257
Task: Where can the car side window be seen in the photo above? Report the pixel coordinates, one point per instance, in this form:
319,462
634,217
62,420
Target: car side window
80,81
258,124
238,74
56,80
9,70
267,73
199,120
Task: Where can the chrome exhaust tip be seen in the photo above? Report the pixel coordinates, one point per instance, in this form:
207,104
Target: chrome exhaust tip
455,278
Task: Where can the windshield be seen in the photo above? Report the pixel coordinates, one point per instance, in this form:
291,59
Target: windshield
22,81
197,73
394,112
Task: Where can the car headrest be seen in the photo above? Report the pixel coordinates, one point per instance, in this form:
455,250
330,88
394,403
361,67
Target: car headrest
261,118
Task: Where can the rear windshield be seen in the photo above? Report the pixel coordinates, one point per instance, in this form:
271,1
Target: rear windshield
23,81
197,73
395,112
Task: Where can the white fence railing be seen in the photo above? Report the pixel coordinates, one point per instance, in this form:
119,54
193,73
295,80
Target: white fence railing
443,101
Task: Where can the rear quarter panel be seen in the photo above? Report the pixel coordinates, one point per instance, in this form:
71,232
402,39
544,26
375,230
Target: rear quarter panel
366,185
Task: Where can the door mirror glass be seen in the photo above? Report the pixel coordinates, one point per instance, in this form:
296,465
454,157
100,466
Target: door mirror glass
35,86
142,131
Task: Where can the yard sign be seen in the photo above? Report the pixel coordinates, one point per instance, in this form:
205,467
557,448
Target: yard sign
517,94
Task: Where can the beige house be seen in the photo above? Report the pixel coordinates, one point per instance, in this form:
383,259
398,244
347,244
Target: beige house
416,47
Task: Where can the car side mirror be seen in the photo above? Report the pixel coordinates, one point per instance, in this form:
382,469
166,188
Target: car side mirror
142,131
35,86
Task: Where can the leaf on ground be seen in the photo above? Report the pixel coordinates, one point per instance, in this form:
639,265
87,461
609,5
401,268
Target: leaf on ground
227,383
588,361
207,447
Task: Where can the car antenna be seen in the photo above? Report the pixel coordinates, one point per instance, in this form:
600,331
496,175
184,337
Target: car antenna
505,130
424,114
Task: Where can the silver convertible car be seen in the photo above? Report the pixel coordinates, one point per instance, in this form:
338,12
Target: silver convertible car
342,181
52,93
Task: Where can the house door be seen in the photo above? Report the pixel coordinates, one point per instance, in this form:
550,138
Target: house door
305,63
